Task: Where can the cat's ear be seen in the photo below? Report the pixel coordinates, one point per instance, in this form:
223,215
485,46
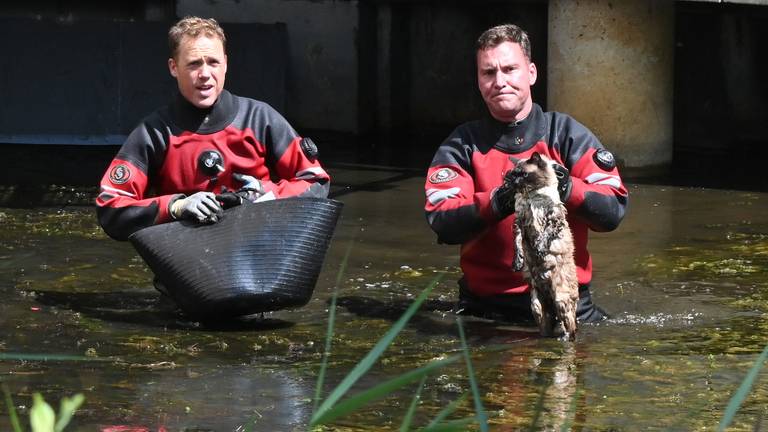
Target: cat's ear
535,157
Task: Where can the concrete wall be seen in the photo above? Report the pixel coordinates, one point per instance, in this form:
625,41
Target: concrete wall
393,72
127,76
611,67
443,67
367,66
322,80
426,63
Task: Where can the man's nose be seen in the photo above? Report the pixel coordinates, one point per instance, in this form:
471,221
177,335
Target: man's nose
205,71
499,81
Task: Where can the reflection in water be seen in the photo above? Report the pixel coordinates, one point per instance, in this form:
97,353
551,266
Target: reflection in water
538,390
558,392
226,398
683,278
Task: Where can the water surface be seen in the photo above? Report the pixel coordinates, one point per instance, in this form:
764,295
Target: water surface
683,278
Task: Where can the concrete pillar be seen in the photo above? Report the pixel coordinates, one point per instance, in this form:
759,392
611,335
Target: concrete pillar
611,67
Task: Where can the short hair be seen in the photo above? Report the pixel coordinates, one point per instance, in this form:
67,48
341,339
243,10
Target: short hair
495,36
194,27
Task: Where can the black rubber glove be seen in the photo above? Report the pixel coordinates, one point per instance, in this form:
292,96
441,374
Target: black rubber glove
503,198
564,183
251,191
200,206
229,199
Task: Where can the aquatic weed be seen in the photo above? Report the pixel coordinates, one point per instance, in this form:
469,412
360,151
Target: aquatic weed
80,222
736,255
332,407
42,418
743,391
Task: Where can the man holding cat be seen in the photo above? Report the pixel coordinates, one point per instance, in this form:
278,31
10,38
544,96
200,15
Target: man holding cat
467,202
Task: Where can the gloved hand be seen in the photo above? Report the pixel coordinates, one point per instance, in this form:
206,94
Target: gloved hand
252,188
251,191
200,206
503,197
564,183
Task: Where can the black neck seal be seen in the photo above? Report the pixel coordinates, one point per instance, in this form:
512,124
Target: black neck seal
204,120
517,136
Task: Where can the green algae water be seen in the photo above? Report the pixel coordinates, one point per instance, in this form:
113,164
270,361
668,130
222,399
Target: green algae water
683,278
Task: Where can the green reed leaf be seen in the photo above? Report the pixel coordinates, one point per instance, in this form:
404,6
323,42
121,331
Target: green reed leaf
373,355
41,416
459,425
743,391
11,410
67,409
331,326
408,419
50,357
482,418
448,410
354,402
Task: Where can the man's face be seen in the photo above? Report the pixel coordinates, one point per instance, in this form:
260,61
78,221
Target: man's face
199,68
505,77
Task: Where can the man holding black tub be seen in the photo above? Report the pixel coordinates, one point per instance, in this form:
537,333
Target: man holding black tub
206,150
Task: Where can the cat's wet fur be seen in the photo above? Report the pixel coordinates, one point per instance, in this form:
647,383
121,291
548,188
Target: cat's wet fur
544,246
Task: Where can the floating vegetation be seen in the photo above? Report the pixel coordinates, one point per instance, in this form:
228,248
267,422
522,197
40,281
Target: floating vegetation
743,391
84,277
338,404
737,262
408,272
79,222
738,255
670,359
154,366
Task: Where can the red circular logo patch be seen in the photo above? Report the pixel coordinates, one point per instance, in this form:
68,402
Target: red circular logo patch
120,174
443,175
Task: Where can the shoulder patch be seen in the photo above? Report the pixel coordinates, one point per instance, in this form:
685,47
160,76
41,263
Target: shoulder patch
443,175
604,159
120,174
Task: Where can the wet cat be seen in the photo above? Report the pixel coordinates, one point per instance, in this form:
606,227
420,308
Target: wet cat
544,246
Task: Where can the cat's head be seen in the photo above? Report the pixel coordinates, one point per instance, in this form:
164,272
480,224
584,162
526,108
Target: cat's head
533,173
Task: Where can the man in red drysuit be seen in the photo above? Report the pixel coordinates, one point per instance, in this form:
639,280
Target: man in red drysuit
468,203
205,150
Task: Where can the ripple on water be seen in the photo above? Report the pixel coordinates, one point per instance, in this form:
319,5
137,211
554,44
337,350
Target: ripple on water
659,319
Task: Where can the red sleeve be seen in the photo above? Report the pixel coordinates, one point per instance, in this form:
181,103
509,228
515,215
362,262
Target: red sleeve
455,210
299,176
598,195
121,204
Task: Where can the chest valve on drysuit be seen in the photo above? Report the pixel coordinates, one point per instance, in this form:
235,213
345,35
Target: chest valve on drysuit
211,163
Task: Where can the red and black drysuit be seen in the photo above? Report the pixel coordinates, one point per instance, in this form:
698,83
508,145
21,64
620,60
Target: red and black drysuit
470,164
159,160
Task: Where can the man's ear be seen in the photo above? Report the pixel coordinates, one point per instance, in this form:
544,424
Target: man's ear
532,73
172,67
